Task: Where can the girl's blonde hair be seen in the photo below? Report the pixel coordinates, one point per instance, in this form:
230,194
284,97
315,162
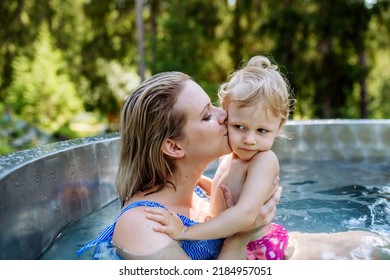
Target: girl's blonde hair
258,81
148,117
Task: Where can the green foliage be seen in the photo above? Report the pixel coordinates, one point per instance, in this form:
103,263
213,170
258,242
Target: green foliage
183,37
110,37
321,48
379,87
41,92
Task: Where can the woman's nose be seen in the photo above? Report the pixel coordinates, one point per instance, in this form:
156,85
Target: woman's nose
222,116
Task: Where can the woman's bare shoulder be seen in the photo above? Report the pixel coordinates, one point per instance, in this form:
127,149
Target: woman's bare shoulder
136,239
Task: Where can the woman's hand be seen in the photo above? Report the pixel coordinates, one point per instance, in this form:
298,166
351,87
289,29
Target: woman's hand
268,210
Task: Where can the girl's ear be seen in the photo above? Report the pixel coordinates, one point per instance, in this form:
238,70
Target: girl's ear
172,149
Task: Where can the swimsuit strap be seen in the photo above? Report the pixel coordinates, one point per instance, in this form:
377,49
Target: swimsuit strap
106,234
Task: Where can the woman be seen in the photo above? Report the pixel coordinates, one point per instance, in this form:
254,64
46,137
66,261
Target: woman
170,132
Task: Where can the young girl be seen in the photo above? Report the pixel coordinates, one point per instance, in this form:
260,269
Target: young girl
258,101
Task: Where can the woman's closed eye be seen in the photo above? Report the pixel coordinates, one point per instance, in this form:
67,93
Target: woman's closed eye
207,117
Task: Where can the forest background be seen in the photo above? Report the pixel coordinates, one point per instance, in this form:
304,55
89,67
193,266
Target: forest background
67,65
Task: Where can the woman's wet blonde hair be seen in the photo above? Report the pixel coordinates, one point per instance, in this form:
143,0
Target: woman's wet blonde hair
148,117
259,81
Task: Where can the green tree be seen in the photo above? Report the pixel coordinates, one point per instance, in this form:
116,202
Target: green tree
41,91
111,36
17,30
322,46
378,43
184,41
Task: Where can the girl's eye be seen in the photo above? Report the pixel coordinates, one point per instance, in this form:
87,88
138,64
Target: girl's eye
262,130
239,127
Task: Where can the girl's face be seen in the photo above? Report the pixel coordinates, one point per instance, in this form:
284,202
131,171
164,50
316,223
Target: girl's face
205,130
251,130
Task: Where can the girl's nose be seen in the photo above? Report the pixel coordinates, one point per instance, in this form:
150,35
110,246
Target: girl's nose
249,139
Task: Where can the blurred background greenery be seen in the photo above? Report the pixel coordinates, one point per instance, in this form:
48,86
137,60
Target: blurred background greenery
67,65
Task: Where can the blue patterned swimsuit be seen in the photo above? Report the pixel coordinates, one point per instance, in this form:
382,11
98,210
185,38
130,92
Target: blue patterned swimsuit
196,249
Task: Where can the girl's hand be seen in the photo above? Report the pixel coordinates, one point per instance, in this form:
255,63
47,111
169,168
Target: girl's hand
170,222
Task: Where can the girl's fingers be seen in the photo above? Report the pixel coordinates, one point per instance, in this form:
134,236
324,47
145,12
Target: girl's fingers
155,210
159,215
159,211
157,218
160,229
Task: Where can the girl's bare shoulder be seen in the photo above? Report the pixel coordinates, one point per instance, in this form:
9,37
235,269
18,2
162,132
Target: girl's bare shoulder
266,156
264,162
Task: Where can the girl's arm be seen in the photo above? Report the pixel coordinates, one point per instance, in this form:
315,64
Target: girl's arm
257,189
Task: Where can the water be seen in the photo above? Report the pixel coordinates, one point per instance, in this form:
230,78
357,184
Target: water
318,196
334,196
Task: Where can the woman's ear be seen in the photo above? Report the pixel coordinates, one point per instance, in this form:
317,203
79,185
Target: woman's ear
172,149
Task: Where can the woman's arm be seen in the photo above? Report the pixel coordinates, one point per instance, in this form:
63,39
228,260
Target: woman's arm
258,187
234,247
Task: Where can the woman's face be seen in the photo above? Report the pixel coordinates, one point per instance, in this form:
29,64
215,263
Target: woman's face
205,131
